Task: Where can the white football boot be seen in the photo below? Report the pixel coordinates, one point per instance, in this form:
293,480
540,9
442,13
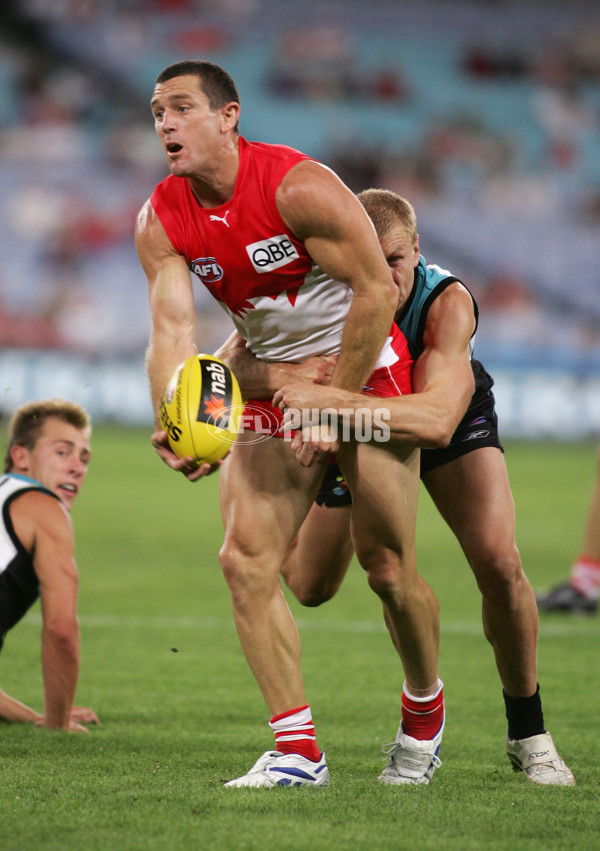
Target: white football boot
280,769
411,760
538,759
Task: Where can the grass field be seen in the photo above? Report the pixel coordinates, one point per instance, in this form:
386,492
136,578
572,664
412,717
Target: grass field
180,711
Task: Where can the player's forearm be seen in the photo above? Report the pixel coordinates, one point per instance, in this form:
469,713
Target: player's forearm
417,420
13,710
259,379
418,424
426,419
60,668
164,353
365,331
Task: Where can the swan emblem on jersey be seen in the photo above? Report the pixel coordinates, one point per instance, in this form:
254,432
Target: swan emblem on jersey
244,306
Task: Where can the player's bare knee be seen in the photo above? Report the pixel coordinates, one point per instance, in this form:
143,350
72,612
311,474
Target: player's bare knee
500,578
310,591
230,564
387,577
246,572
312,596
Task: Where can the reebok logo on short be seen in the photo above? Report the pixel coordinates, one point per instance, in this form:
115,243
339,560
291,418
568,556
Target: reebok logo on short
474,435
272,253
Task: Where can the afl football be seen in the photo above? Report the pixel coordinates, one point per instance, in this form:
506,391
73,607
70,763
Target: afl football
201,409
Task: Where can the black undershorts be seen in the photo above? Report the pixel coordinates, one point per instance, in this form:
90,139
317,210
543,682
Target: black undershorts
334,492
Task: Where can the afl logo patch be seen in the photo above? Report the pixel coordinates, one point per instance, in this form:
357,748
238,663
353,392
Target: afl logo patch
207,269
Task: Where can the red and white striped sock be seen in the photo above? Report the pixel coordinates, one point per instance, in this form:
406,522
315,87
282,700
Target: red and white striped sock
585,577
295,733
422,716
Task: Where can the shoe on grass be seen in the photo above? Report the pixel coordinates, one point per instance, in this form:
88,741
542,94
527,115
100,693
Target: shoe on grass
284,769
538,759
411,760
565,598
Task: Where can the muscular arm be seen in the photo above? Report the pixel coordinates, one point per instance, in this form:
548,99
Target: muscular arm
44,526
260,379
173,322
339,236
442,380
171,302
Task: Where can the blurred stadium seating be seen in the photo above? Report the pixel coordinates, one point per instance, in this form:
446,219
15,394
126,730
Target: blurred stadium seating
486,116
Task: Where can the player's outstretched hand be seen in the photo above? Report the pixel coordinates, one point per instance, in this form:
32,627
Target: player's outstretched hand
84,715
190,468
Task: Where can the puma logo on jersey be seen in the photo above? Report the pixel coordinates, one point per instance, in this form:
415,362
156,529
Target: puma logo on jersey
223,219
272,253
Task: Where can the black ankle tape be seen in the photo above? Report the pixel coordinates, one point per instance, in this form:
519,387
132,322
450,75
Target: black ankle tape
524,715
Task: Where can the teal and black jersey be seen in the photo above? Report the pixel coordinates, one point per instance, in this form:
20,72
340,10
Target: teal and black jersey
430,282
479,426
19,587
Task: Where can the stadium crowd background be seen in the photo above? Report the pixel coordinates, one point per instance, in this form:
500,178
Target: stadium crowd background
485,115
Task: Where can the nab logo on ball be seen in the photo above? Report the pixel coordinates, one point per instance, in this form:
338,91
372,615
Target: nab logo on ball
215,401
201,409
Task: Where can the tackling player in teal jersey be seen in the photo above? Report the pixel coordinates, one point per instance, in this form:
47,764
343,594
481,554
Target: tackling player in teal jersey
451,416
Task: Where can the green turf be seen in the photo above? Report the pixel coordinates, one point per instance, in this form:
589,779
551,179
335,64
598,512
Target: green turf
180,710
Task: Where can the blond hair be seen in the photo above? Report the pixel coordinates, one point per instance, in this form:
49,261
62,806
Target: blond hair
387,210
27,422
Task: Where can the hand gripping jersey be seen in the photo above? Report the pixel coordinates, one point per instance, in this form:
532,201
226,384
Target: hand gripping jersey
279,300
19,587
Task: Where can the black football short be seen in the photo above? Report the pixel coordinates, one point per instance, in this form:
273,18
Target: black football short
478,428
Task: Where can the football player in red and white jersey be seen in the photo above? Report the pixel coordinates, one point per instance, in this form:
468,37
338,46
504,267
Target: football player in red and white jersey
291,255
